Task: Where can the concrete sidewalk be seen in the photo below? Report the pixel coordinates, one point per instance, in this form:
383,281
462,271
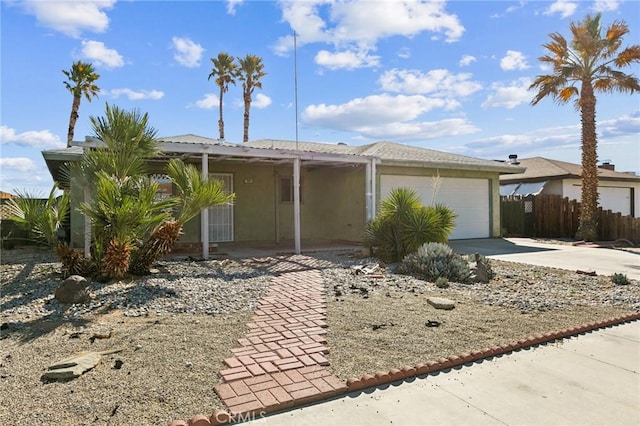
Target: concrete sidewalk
591,379
603,261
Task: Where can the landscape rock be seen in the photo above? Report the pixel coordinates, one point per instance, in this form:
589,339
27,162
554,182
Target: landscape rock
441,303
73,290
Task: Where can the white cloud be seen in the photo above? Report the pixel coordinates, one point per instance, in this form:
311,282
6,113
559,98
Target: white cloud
71,17
100,55
565,8
261,101
467,60
509,96
606,5
136,95
509,10
436,82
387,117
209,101
19,164
231,6
364,22
514,60
32,138
404,53
187,52
348,59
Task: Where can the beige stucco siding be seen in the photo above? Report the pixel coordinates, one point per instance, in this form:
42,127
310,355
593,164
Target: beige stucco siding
333,203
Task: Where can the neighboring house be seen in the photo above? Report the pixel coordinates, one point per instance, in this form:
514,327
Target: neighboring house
618,192
340,187
4,210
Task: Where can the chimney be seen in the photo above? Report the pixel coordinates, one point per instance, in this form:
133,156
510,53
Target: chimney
513,159
606,164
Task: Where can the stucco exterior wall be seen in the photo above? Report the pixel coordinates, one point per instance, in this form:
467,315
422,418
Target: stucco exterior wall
333,203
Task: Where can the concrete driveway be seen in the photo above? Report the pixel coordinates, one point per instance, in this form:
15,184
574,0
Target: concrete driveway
603,261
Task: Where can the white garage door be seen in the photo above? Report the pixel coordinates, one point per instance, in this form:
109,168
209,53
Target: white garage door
469,198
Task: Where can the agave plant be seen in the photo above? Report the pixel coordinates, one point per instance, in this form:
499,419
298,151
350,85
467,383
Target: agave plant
194,193
403,225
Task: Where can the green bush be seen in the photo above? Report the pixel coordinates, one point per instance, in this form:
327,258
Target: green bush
619,279
436,260
403,224
442,282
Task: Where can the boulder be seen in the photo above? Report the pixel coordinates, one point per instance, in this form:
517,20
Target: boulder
73,290
441,303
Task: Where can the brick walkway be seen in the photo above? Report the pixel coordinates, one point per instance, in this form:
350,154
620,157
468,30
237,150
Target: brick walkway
280,363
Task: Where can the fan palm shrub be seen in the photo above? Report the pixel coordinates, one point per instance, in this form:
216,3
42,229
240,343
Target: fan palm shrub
404,224
44,220
193,194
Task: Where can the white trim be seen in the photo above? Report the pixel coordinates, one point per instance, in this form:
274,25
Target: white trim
204,214
296,203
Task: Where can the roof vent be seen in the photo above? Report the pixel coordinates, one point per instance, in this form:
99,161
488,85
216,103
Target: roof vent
513,159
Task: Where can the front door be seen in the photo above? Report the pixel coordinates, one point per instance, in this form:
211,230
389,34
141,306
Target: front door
221,217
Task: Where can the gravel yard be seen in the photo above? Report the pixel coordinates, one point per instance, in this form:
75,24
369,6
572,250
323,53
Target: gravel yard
176,326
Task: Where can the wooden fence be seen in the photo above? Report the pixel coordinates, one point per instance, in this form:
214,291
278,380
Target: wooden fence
555,217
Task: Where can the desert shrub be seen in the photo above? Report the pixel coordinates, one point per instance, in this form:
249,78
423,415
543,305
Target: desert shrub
442,282
619,279
403,224
434,260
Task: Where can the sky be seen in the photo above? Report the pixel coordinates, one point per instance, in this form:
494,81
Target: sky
450,76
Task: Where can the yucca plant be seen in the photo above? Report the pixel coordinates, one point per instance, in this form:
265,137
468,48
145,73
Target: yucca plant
403,225
193,194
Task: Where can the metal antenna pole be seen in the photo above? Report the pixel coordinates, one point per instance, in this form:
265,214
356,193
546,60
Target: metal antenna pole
295,80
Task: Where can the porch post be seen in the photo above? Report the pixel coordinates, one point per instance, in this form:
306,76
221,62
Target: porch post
296,203
204,214
87,227
367,191
373,188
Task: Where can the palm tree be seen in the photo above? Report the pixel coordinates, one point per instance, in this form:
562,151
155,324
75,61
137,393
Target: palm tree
194,193
82,78
225,70
124,208
251,71
588,64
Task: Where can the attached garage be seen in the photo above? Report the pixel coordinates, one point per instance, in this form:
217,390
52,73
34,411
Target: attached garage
469,198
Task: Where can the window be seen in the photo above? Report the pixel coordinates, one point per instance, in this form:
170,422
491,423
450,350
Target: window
165,187
286,189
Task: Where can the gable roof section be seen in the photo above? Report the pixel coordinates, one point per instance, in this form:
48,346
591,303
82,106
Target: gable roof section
390,153
539,168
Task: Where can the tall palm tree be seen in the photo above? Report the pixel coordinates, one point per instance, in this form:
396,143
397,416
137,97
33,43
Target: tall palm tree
588,64
225,70
251,71
82,78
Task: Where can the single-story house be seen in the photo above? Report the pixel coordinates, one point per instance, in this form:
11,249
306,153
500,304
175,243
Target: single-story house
618,192
339,187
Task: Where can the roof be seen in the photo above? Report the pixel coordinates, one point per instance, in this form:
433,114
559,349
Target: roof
391,153
273,150
5,195
539,168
